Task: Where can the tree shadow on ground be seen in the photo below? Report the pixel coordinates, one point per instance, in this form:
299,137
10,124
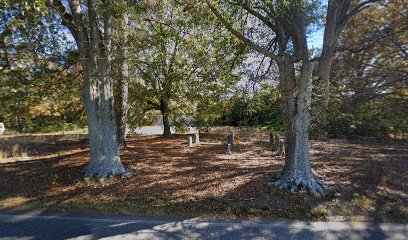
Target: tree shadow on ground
171,179
67,227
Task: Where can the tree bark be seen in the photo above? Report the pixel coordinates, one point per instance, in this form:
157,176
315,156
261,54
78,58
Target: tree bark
336,19
123,112
98,101
297,172
124,88
94,47
164,108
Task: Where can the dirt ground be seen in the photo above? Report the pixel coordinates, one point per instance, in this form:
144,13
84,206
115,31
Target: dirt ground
366,181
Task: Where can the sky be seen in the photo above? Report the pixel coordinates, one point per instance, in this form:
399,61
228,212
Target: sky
315,40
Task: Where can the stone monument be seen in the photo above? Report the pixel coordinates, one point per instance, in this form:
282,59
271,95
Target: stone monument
190,141
197,138
2,128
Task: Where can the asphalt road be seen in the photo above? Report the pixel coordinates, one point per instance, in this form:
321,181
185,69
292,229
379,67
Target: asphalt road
70,226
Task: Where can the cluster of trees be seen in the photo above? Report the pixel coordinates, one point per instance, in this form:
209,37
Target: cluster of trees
371,75
39,80
216,62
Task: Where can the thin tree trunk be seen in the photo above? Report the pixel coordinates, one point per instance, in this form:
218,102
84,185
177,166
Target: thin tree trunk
124,88
123,112
335,22
322,113
324,70
164,108
21,124
297,172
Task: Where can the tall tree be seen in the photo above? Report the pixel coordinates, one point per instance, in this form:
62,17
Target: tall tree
339,14
122,29
90,24
39,79
182,58
287,23
371,74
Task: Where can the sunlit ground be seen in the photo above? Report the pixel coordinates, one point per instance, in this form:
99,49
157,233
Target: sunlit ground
365,181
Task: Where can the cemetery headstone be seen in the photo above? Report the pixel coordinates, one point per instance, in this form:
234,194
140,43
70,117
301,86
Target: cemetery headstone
197,138
190,141
2,128
272,141
282,148
230,139
229,146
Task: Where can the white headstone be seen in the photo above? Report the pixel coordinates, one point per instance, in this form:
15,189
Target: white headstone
2,128
197,138
190,141
229,148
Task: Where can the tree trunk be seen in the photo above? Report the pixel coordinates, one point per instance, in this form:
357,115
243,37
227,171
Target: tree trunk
123,112
335,22
92,34
322,110
99,99
297,172
324,70
123,82
164,108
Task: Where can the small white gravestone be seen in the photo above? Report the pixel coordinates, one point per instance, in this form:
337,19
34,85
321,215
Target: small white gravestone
197,138
2,128
190,141
229,148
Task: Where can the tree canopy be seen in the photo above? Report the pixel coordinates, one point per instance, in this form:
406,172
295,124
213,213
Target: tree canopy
115,65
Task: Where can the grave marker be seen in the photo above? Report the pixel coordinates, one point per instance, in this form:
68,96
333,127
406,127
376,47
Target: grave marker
190,141
2,128
197,138
229,148
230,139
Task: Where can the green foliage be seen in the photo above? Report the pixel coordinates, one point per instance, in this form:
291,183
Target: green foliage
369,95
181,55
39,81
87,180
261,109
183,61
343,125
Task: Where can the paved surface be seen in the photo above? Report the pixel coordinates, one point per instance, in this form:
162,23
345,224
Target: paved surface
158,130
68,226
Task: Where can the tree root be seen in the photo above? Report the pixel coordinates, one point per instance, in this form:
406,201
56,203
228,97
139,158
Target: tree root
104,170
295,182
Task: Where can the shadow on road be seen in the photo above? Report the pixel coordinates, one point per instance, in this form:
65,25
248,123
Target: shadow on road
70,226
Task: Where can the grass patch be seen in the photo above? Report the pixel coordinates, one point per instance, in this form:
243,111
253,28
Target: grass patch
320,212
364,202
16,203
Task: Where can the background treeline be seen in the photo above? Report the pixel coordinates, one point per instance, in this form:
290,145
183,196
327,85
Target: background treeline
180,68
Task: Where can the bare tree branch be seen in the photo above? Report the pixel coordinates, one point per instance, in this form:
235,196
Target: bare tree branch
240,36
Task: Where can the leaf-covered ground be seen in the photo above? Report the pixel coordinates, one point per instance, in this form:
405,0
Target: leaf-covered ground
366,181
